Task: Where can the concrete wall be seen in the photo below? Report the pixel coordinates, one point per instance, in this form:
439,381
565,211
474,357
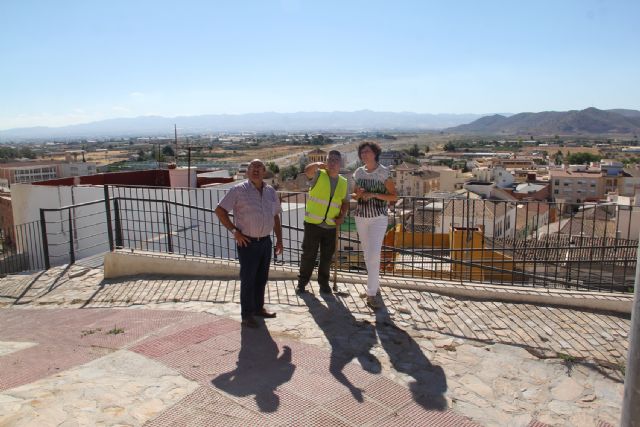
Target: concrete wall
629,222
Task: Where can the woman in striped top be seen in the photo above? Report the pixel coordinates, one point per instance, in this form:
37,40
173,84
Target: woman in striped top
374,190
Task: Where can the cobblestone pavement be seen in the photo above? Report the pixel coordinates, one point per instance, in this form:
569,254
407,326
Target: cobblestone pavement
424,358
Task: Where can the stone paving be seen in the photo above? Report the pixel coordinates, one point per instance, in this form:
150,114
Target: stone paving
423,359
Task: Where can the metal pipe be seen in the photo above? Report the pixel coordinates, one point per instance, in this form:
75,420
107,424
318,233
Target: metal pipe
631,401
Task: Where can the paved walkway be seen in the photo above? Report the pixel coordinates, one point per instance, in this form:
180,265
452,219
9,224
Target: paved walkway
174,354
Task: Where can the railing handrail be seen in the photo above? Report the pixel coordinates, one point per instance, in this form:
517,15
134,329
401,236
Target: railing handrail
75,206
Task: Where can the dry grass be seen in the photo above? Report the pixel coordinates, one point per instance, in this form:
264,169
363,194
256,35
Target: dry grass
100,157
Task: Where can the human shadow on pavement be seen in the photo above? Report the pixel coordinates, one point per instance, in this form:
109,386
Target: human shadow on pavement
349,338
407,357
260,369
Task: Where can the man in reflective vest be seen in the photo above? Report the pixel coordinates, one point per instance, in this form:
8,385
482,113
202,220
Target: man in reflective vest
327,204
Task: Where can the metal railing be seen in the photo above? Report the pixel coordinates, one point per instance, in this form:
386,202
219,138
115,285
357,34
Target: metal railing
21,248
536,244
74,232
572,246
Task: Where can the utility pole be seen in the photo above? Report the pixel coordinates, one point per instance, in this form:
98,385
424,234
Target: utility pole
631,401
175,132
188,165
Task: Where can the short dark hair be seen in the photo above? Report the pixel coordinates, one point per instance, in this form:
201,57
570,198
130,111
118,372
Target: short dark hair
375,147
334,153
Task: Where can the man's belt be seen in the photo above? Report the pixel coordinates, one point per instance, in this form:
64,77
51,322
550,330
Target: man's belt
258,239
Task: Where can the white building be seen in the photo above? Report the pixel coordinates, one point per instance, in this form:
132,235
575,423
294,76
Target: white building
451,179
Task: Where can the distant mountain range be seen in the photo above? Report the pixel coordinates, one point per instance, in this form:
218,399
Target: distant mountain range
257,122
588,121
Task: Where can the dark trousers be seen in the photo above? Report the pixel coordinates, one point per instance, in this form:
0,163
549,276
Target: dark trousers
254,273
316,237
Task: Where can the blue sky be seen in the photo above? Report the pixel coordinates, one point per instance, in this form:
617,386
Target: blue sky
66,62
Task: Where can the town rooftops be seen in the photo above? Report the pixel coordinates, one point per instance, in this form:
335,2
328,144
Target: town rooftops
569,174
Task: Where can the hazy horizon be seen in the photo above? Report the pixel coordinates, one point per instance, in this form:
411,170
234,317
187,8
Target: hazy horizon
177,117
71,62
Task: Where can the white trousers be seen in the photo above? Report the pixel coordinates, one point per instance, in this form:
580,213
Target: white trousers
371,232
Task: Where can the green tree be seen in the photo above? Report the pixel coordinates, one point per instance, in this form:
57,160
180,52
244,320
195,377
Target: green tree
413,151
27,152
320,140
582,158
273,167
7,153
449,146
558,158
167,150
412,160
289,172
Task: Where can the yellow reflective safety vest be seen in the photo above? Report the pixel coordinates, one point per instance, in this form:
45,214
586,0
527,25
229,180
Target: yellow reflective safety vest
319,208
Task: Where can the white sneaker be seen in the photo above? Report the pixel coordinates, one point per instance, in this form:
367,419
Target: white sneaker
364,294
371,302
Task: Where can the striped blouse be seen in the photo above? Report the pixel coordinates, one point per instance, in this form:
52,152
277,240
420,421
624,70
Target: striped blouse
372,182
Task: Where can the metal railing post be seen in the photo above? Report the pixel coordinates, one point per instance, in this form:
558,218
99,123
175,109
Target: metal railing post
72,254
45,240
631,400
118,223
167,224
107,205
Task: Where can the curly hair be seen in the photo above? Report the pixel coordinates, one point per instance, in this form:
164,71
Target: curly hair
375,147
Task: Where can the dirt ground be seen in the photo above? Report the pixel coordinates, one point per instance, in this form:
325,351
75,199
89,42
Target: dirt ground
100,157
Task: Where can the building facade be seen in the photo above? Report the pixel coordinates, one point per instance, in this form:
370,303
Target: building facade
569,186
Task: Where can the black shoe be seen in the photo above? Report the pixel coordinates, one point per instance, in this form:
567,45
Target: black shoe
266,314
301,290
249,322
326,289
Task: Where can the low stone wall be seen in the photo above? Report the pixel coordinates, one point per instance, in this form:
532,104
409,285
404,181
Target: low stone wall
124,264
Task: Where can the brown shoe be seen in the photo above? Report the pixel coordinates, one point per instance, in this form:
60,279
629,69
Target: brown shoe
249,322
264,313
